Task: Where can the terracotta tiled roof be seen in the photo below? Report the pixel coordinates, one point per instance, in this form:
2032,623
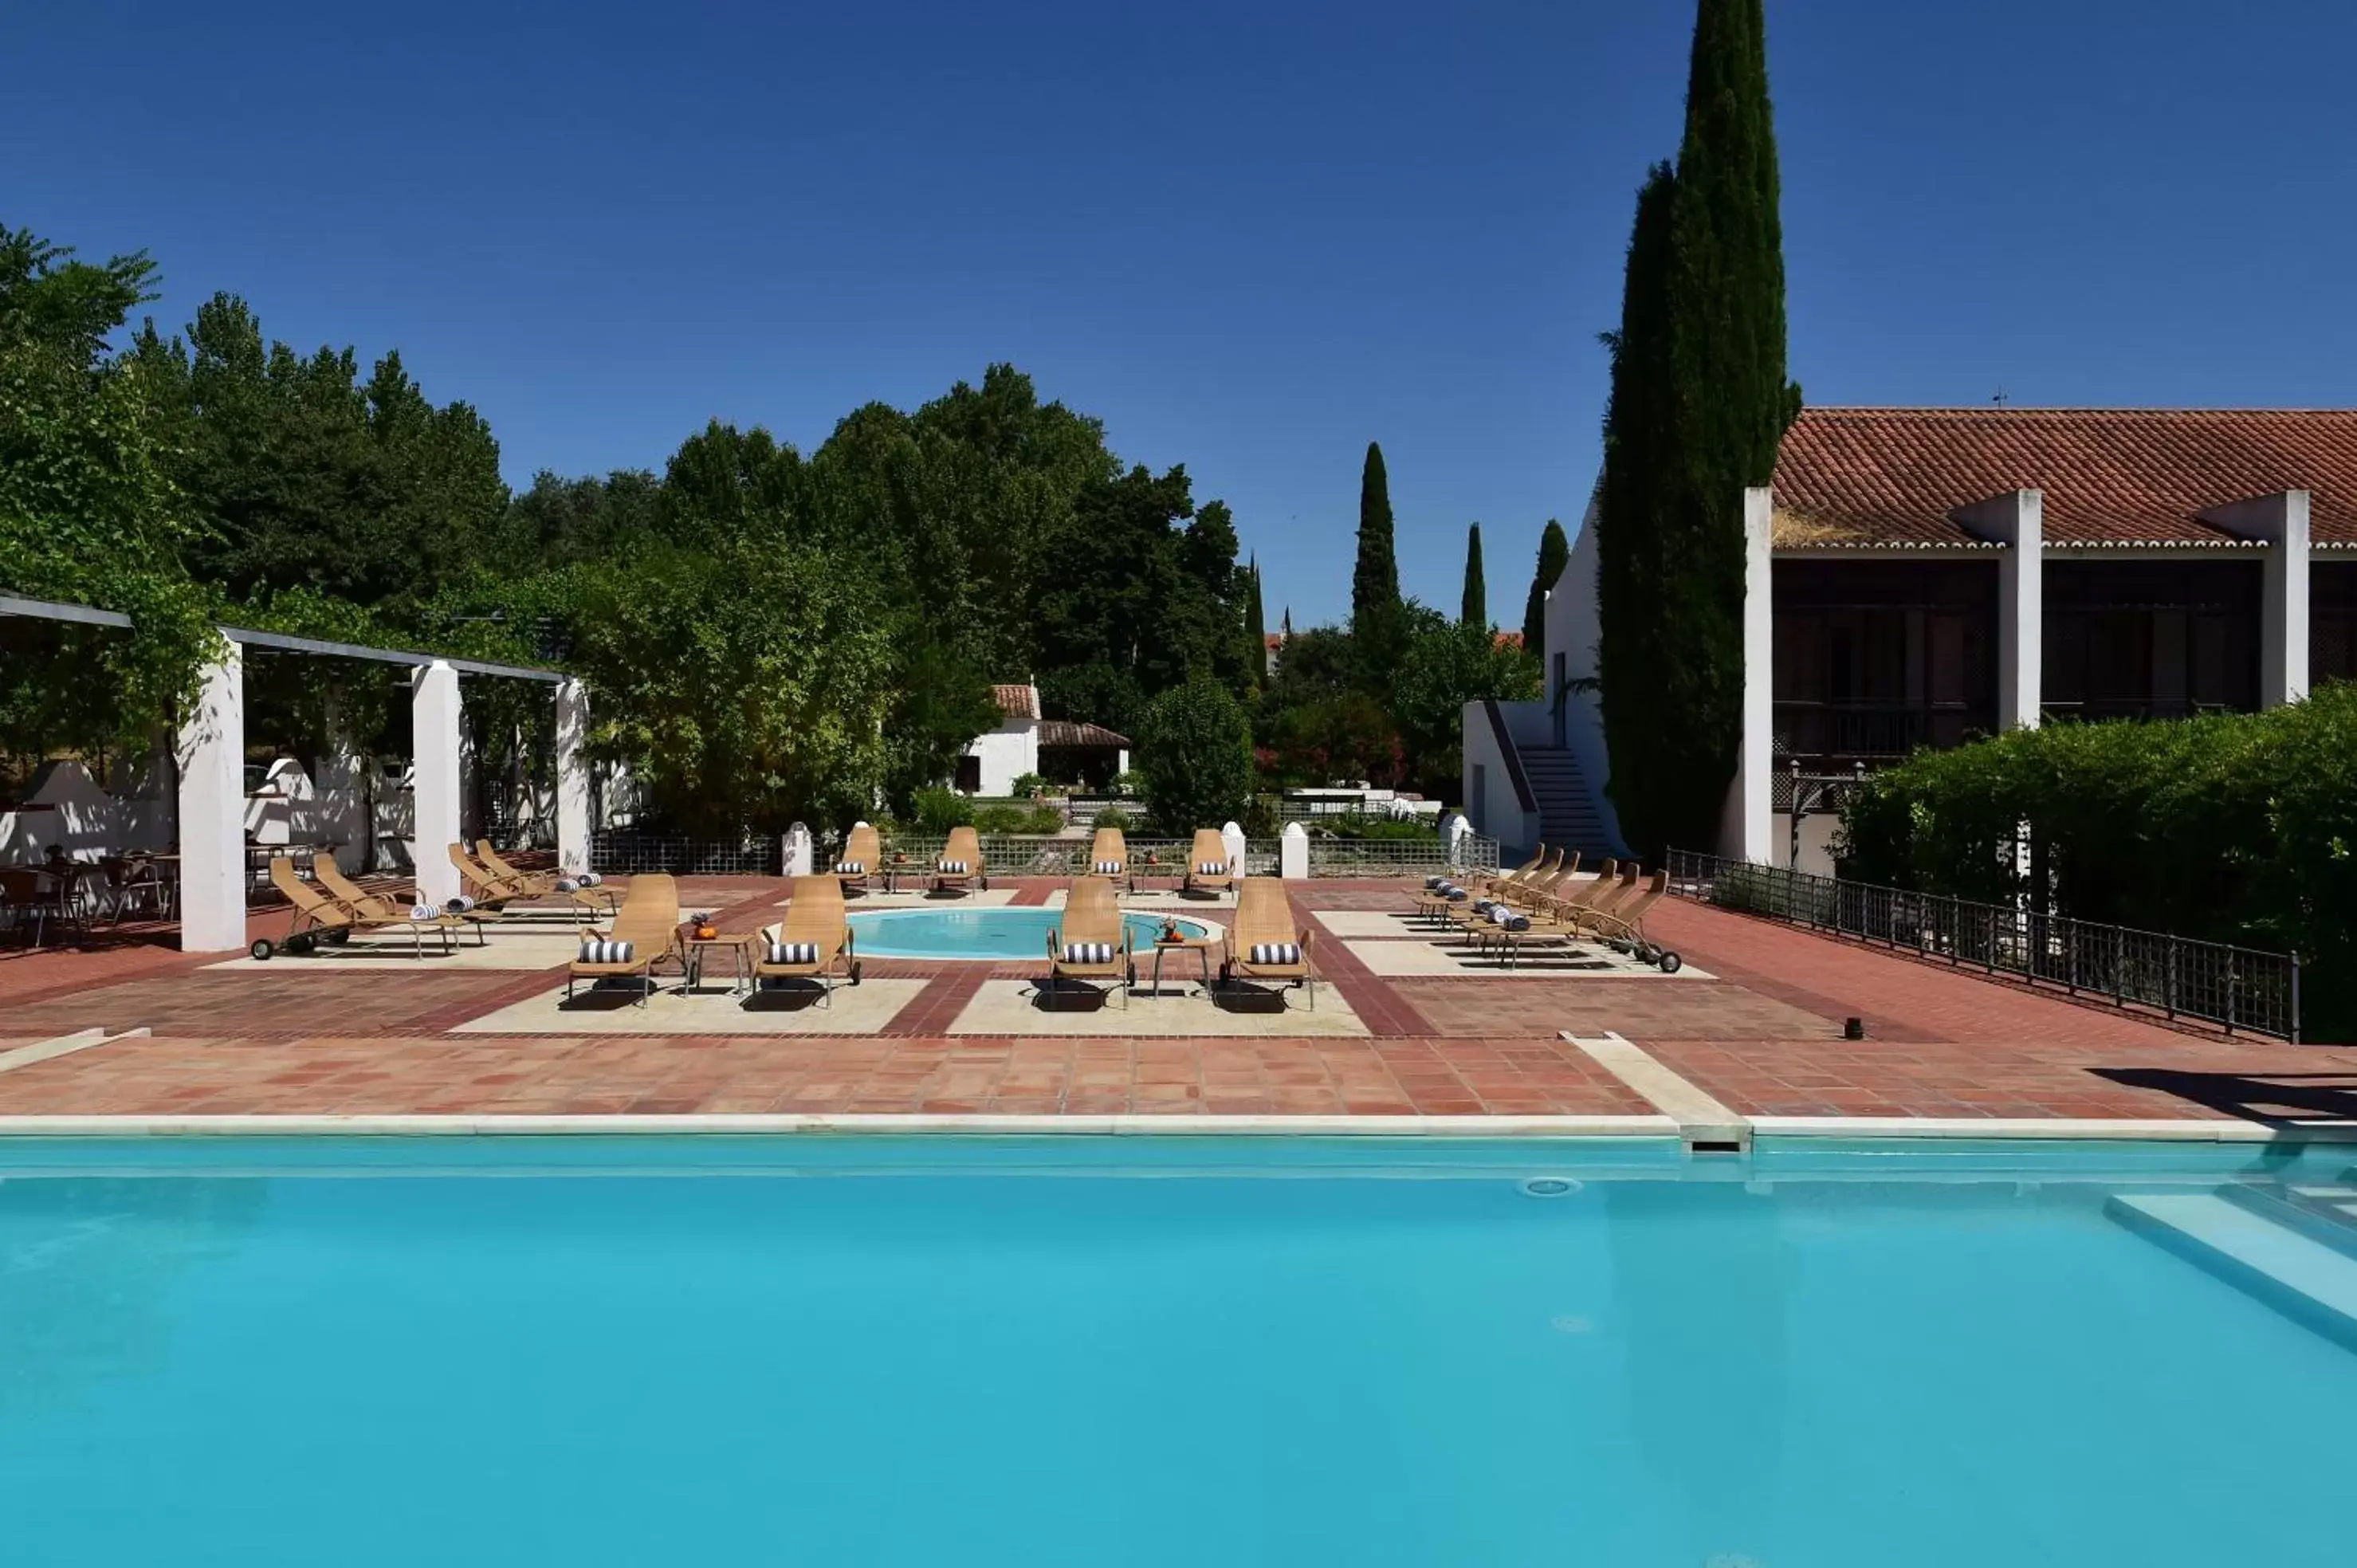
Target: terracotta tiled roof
1893,477
1273,639
1064,732
1509,638
1017,702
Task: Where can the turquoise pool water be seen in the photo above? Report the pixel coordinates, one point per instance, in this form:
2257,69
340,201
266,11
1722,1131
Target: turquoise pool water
963,933
504,1351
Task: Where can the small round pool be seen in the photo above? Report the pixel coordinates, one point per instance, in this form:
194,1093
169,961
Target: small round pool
959,933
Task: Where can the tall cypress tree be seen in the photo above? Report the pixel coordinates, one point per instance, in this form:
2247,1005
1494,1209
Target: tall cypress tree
1475,608
1376,620
1554,553
1699,404
1256,626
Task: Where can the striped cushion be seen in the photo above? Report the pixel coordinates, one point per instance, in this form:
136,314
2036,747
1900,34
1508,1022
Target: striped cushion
1211,868
607,952
460,905
590,879
424,912
1274,953
850,868
1088,953
1506,919
793,953
1108,868
568,885
1436,883
952,868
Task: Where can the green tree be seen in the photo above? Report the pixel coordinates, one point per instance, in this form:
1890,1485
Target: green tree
1554,554
1445,667
1194,758
1700,400
1255,630
1376,620
88,510
1474,609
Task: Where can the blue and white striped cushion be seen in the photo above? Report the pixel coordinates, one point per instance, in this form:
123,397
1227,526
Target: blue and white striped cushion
460,905
1211,868
850,868
590,879
1274,953
1435,884
952,868
424,912
607,952
1108,868
793,953
1506,919
568,885
1088,953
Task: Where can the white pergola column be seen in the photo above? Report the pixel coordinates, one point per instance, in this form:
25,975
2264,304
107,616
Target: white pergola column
1749,823
212,755
2017,520
2280,521
434,752
572,777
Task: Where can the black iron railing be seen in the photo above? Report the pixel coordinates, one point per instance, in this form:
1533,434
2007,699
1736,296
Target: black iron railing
2241,990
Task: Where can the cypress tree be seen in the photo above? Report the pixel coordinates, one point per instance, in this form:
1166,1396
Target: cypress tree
1699,404
1475,610
1554,553
1256,626
1375,613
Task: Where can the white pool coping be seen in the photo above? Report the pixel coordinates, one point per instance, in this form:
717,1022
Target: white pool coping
1503,1128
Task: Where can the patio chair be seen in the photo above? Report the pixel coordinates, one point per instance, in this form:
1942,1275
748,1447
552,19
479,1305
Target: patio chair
1208,866
1471,920
1109,857
814,941
1561,916
1091,943
329,878
642,933
1443,897
1622,926
135,879
589,894
1537,864
1264,945
863,857
961,869
38,899
485,886
533,883
316,916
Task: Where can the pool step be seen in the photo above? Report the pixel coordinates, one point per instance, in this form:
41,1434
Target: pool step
2303,1278
2326,1215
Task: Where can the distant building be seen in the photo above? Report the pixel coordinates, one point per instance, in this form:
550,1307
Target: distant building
1059,750
1931,575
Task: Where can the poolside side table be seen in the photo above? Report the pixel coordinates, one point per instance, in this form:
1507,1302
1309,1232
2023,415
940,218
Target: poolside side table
1200,946
738,942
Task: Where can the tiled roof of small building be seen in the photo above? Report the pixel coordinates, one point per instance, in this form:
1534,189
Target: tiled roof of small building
1067,733
1892,477
1017,702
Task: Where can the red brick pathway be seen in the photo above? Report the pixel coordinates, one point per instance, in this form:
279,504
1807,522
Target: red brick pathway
1764,1038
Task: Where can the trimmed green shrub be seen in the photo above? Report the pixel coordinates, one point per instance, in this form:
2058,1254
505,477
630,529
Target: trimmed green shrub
1358,827
1026,785
1036,820
940,809
1194,758
2232,828
1115,817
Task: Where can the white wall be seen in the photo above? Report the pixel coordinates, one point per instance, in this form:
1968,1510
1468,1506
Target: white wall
1572,630
1007,753
64,807
1817,830
1489,785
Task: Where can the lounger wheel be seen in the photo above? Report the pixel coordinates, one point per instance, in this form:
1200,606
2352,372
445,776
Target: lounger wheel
261,949
1670,962
858,967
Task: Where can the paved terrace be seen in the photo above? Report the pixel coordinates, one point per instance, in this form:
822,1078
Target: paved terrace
1403,1027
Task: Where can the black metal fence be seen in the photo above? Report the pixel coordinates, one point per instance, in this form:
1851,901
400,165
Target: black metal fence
624,850
2241,990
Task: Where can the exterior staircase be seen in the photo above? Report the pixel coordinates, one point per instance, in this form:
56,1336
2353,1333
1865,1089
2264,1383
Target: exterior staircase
1568,814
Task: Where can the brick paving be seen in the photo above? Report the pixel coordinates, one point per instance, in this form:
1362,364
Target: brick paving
1763,1036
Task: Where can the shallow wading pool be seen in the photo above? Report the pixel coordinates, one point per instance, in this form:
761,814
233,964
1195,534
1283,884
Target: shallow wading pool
1150,1350
1000,933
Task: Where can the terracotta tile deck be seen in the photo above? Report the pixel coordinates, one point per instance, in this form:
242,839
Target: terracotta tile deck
1764,1036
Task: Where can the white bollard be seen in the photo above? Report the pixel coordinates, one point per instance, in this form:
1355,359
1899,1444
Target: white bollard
1293,853
1233,837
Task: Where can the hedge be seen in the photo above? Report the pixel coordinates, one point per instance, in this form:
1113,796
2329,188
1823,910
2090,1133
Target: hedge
2232,828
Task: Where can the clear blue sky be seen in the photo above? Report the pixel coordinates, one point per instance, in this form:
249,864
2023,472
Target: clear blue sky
1249,236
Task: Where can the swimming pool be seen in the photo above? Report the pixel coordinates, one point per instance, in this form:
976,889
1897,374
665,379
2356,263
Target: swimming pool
967,933
1142,1351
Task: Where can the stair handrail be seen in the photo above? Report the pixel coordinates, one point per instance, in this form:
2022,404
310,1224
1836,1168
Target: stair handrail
1524,796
